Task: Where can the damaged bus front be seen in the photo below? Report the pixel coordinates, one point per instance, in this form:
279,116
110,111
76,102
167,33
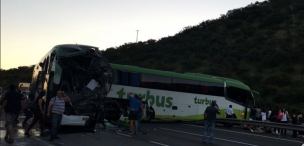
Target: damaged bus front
83,74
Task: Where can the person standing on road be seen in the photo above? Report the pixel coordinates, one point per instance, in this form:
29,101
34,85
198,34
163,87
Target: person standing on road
57,107
135,106
13,105
140,112
209,117
18,89
258,113
273,117
28,113
38,115
229,114
294,121
268,114
263,115
284,120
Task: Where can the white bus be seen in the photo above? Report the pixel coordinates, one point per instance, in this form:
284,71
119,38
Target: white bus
177,96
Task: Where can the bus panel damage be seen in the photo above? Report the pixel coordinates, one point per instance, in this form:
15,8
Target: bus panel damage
83,74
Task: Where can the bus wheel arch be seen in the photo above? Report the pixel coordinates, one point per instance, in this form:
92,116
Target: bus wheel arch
150,114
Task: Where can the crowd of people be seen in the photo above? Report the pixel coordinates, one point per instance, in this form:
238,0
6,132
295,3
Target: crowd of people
14,105
279,115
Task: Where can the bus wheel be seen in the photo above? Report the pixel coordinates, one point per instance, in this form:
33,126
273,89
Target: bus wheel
150,115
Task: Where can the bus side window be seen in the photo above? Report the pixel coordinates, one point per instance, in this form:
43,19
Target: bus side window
125,78
155,82
39,81
238,95
116,77
46,65
183,85
203,89
134,79
212,89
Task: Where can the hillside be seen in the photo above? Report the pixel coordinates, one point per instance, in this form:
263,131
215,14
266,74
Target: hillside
260,44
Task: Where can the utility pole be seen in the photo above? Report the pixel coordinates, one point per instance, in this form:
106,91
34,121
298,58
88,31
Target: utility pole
137,35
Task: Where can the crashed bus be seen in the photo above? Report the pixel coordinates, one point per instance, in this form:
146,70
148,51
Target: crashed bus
83,74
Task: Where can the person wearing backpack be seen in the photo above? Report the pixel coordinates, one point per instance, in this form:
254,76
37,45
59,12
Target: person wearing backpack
55,110
38,114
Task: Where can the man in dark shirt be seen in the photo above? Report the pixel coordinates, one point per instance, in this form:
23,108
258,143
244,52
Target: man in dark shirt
294,121
135,106
209,116
13,105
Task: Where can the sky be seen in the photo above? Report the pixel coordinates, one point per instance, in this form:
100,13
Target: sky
30,28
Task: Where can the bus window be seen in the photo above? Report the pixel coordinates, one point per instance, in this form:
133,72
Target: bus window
116,77
125,78
155,82
46,65
40,81
183,85
134,79
212,89
238,95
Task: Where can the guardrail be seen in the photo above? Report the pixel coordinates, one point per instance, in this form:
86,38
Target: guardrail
261,123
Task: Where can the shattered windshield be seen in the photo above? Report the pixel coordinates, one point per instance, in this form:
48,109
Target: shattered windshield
86,79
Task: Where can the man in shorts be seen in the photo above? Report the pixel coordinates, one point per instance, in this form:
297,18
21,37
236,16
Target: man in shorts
135,106
13,105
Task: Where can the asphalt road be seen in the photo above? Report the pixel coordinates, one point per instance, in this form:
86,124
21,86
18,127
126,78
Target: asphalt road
158,134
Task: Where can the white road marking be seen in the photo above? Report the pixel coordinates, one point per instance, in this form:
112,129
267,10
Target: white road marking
158,143
124,134
213,137
249,134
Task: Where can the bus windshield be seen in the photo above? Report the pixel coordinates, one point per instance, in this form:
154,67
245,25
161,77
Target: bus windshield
239,95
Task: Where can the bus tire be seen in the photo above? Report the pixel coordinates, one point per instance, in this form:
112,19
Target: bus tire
150,115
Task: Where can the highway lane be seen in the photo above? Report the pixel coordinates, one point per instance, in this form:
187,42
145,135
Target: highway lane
158,134
181,134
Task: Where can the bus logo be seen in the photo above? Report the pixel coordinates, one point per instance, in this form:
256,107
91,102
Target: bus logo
202,101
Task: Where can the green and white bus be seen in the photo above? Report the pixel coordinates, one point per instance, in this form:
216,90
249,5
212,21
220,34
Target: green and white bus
177,96
98,89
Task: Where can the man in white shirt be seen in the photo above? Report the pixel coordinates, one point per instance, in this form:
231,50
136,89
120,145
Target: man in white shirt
229,114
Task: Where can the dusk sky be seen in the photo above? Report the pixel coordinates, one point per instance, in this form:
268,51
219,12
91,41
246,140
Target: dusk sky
30,28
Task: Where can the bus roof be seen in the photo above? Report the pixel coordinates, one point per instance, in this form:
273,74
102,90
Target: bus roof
229,82
190,76
66,50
